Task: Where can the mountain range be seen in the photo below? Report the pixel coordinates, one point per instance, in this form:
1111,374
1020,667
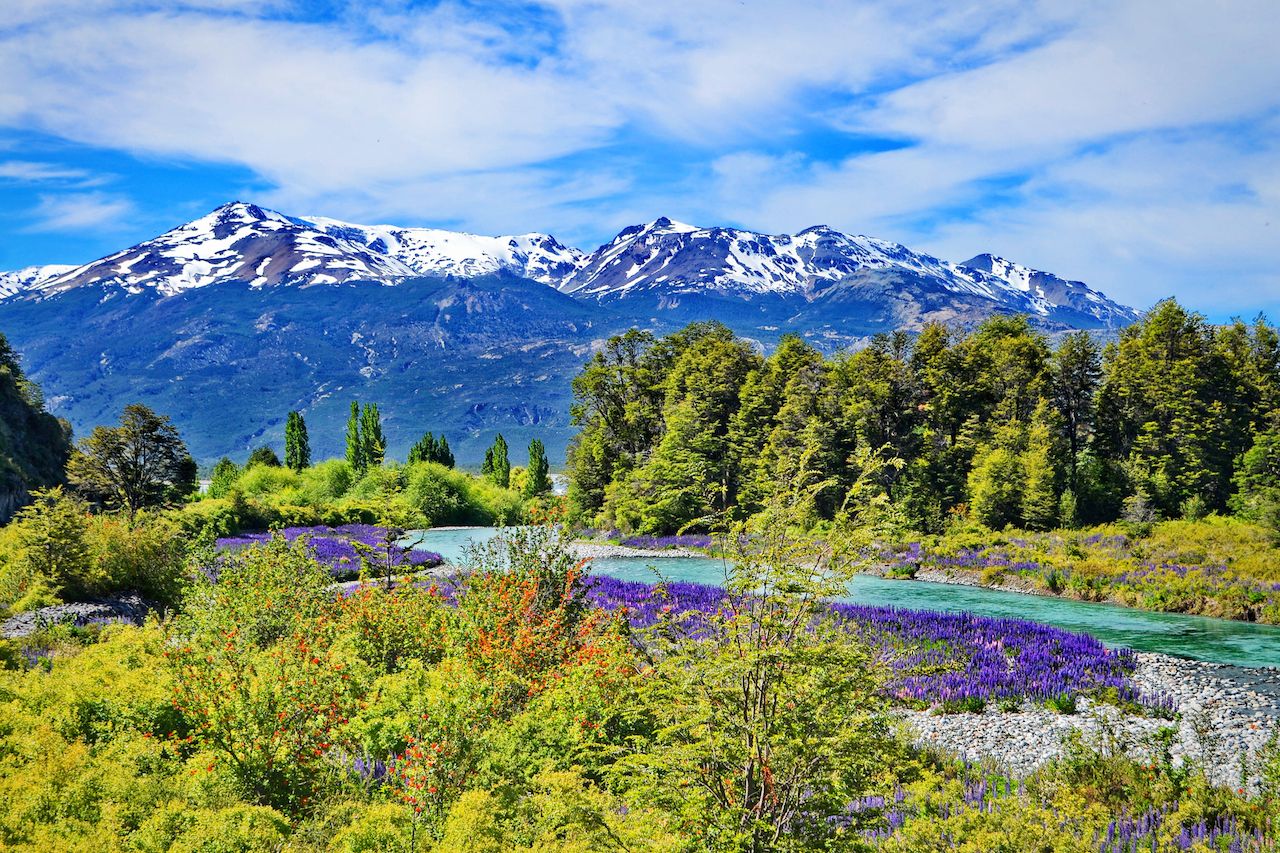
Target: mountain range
231,320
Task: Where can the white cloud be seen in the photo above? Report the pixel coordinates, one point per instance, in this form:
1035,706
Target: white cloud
1127,143
75,211
1130,67
26,171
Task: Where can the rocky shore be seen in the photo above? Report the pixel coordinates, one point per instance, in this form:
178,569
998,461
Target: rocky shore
1224,713
605,551
129,608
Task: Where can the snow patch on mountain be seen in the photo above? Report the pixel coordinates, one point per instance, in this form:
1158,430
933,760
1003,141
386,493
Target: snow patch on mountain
432,251
29,277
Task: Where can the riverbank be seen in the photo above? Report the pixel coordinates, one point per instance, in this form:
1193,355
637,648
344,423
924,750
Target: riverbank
1224,714
608,551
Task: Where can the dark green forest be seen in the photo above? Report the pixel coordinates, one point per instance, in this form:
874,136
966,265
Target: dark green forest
1177,418
34,445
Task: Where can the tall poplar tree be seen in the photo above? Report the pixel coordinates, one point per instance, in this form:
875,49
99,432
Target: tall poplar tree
497,463
355,443
443,454
372,441
297,446
538,480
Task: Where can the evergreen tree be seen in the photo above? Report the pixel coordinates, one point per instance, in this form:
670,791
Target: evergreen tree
424,450
998,479
538,474
34,445
497,464
759,402
689,475
356,456
1040,498
430,449
686,428
1077,371
263,456
224,475
443,454
1163,412
1257,481
372,441
297,446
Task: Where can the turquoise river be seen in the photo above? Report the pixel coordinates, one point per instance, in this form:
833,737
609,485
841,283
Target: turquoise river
1216,640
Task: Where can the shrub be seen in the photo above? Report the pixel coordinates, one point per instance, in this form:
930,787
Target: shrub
148,556
52,557
262,480
238,829
326,482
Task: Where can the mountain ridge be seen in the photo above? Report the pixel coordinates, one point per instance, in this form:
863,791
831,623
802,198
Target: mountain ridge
658,262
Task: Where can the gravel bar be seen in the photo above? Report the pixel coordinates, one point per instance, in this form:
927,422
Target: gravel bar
1224,712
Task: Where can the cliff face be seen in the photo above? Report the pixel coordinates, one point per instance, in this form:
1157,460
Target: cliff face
34,445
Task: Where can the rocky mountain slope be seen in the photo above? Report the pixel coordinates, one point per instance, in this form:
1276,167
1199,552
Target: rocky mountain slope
229,321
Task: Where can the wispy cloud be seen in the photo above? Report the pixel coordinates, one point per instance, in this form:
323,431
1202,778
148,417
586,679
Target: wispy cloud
74,211
26,171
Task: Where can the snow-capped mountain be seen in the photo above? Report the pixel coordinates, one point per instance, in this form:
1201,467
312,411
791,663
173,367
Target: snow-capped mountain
432,251
820,282
251,244
1049,288
665,262
29,278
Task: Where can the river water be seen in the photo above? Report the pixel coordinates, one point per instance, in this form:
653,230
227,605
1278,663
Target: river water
1197,637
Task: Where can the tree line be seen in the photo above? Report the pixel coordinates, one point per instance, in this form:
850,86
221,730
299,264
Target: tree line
1175,418
143,462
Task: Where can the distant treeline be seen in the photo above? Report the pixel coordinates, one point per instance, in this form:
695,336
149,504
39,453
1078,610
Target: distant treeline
1176,418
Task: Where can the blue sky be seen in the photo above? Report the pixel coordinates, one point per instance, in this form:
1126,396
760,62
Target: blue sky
1134,145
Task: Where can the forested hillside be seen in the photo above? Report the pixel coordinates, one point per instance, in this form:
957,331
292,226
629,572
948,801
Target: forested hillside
34,445
1176,418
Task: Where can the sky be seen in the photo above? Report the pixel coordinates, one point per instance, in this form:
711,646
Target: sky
1131,144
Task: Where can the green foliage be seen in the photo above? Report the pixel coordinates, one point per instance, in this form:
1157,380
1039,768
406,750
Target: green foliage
1257,481
148,556
260,687
53,547
520,718
519,610
55,551
34,445
331,492
770,718
678,431
357,456
1217,566
538,474
688,478
223,475
263,455
430,449
297,445
497,464
140,463
998,480
372,441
